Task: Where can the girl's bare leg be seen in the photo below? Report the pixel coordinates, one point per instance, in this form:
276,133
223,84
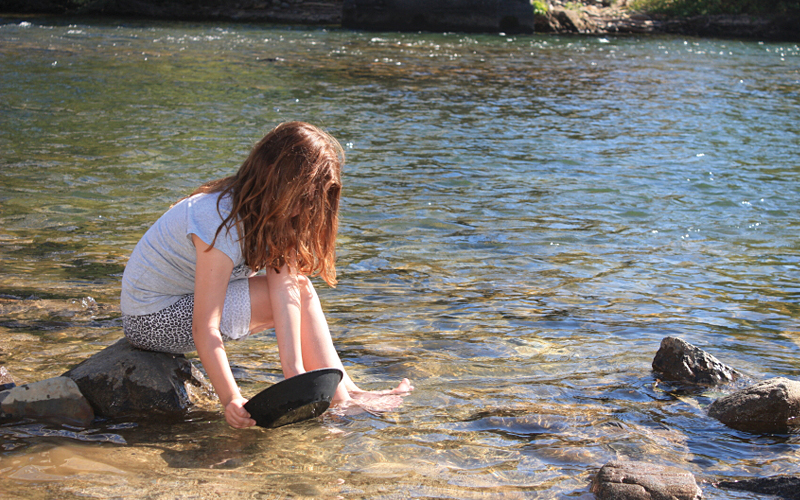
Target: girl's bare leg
312,339
319,351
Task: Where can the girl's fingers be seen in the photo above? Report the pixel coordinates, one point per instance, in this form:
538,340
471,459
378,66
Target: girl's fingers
237,416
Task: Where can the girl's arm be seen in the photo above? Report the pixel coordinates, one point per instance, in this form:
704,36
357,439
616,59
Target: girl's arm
211,284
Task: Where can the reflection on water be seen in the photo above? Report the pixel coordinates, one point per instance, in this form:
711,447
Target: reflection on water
524,219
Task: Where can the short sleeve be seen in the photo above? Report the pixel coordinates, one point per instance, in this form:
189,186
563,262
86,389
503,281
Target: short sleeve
203,219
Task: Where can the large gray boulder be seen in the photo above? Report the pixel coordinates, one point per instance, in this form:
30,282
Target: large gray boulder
122,380
55,399
569,20
644,481
680,361
771,406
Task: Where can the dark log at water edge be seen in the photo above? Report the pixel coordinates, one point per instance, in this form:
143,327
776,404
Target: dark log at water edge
585,17
508,16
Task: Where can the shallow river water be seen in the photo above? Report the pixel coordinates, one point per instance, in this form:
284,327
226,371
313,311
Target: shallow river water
524,219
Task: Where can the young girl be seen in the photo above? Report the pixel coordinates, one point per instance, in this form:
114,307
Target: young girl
190,283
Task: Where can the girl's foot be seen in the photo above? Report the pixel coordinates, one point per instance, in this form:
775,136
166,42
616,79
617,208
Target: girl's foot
403,388
376,402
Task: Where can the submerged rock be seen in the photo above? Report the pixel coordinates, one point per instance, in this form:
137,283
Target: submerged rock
122,380
55,399
644,481
769,406
680,361
786,487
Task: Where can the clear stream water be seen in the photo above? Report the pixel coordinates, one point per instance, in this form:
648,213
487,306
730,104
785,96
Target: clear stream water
524,219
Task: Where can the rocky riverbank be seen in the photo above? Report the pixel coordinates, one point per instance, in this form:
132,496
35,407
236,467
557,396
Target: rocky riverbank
602,17
588,17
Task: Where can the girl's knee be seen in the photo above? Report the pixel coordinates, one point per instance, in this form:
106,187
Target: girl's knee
306,287
303,282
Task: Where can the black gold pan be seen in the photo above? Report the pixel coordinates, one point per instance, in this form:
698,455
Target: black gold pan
295,399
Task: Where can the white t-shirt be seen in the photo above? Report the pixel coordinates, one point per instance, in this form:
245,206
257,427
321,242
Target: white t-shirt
161,268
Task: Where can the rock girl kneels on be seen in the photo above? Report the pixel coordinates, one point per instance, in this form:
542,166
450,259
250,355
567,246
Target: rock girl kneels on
190,282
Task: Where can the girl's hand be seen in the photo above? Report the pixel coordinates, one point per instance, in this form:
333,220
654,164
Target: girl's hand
237,416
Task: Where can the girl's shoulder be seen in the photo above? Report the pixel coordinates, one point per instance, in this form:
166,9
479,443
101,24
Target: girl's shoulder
205,203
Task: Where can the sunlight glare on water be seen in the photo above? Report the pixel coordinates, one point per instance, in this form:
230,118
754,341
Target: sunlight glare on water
524,219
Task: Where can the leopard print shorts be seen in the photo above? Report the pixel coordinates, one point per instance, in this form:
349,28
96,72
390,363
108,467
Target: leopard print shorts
170,329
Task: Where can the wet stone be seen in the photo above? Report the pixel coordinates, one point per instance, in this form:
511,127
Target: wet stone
55,399
570,20
771,406
122,380
786,487
644,481
305,489
680,361
6,380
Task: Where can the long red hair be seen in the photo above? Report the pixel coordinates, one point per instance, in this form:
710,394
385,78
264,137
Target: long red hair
286,201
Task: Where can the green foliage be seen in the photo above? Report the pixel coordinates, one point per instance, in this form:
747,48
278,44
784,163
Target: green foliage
573,5
686,8
539,7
